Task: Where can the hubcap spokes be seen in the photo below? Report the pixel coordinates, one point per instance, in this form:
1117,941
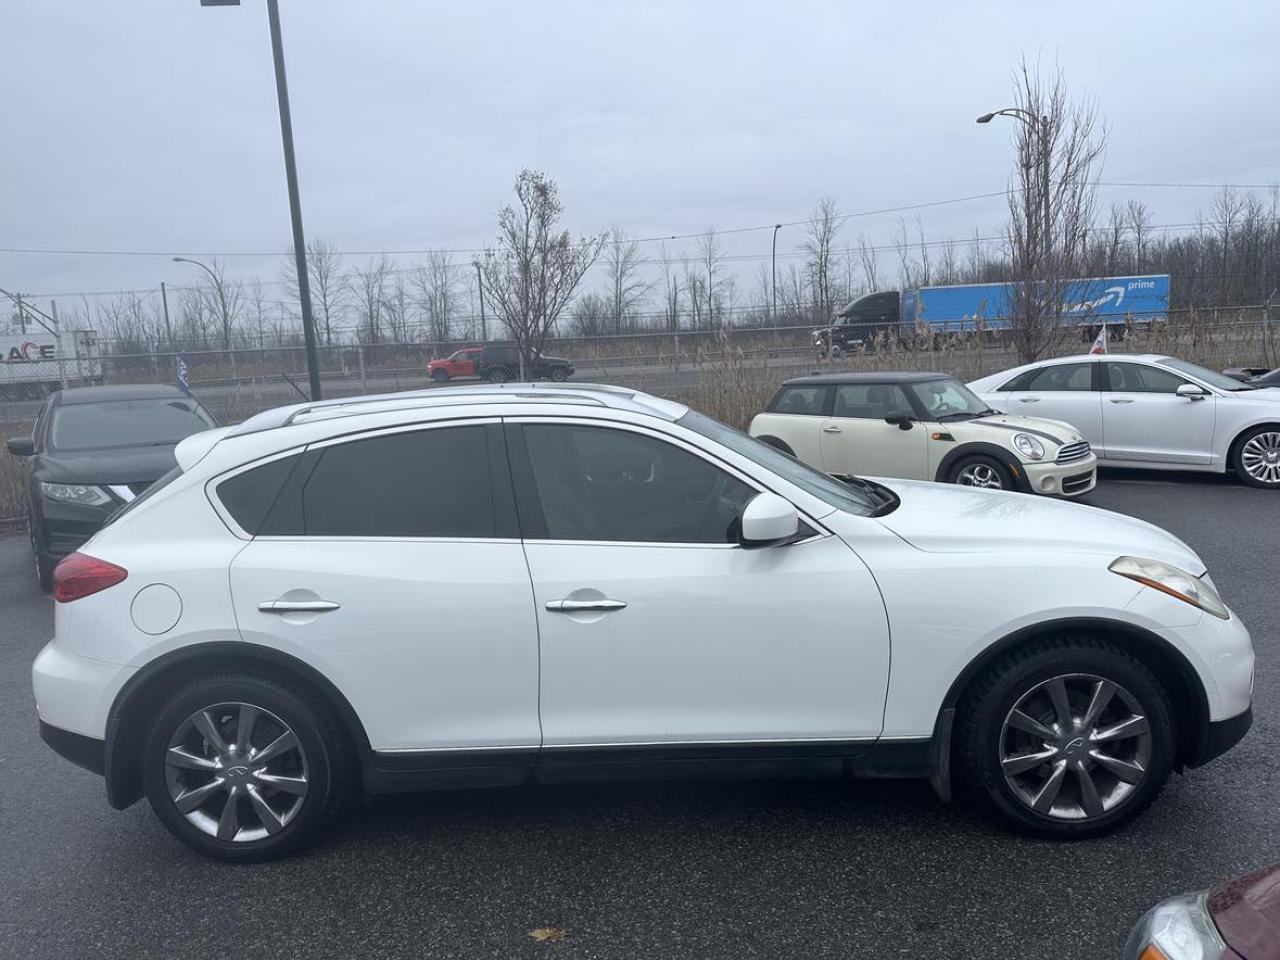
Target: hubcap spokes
979,475
236,772
1261,457
1075,747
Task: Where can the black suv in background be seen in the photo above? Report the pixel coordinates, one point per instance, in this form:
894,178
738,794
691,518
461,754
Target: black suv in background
91,451
500,362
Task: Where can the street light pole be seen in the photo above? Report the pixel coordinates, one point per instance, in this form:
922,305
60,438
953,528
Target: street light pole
1039,126
222,298
774,269
291,176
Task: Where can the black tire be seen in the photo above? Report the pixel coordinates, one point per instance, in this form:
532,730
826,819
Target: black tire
440,376
991,698
980,466
325,747
559,374
778,444
1265,438
497,375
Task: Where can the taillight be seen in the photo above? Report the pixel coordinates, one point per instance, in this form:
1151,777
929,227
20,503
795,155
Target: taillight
79,575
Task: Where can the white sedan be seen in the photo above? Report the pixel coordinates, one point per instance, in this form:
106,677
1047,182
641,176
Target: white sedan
497,585
1151,412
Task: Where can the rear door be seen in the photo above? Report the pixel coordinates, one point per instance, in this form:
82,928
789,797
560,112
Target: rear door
1143,418
856,440
1061,391
391,562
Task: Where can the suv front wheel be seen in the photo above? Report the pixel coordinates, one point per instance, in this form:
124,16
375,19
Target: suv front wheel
245,768
497,375
1069,737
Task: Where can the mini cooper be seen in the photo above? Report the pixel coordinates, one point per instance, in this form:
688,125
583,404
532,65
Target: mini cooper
922,426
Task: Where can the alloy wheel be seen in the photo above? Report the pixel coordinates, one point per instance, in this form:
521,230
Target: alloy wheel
236,771
980,475
1260,457
1075,747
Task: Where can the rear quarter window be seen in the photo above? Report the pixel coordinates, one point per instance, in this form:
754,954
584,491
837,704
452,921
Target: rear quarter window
801,401
249,495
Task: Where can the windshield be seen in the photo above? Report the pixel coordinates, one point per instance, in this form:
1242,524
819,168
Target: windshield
948,399
1212,377
826,488
127,423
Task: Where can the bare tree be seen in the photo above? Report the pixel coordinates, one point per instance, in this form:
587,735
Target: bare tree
590,315
1059,146
436,283
623,261
370,286
224,297
396,308
711,267
330,287
1138,218
870,268
824,224
532,273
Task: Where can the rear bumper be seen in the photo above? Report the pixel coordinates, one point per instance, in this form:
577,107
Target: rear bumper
81,750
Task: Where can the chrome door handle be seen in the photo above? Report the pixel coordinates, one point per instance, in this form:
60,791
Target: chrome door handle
1121,399
574,606
297,606
1028,399
831,428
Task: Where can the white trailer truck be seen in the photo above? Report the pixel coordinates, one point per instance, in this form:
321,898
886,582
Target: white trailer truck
34,363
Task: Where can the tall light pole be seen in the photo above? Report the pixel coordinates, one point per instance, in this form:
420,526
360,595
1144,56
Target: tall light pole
291,176
222,298
774,269
1040,127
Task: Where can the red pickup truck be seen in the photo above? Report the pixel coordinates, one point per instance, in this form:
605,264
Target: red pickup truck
462,363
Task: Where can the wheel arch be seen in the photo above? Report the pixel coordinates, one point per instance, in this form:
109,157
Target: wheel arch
146,690
1001,455
1170,666
1234,446
777,443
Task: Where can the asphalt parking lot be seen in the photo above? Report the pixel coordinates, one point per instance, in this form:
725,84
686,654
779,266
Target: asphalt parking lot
722,869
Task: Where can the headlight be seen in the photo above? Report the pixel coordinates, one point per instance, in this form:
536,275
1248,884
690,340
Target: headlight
1178,929
1028,446
75,493
1169,579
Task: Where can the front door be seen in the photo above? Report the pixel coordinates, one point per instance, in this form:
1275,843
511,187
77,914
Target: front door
658,628
1143,418
857,442
391,563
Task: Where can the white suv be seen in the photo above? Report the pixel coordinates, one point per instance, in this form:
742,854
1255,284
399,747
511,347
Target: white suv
487,585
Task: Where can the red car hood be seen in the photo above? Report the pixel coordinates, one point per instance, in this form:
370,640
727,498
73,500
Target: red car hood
1247,913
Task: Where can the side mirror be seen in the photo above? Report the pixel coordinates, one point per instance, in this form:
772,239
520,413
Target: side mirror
901,420
20,446
1190,391
768,520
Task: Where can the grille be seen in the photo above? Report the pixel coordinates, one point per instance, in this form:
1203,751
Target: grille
1077,482
1073,452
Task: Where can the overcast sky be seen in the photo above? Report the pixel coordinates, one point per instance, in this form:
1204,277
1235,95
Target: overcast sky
151,125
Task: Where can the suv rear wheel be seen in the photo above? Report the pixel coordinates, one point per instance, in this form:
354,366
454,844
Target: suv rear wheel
245,768
1068,738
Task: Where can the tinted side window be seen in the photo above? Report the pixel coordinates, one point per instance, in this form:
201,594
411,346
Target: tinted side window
598,483
869,401
248,496
1136,378
424,483
800,401
1062,376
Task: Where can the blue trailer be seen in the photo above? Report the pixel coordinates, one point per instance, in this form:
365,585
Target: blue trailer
990,306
